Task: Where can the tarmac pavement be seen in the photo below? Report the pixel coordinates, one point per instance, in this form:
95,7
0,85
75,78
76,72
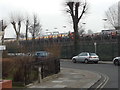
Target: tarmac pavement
70,78
100,62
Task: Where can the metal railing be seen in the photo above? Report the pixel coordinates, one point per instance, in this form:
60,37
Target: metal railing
44,67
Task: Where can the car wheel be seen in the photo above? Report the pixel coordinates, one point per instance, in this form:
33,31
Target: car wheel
116,62
74,60
86,61
96,62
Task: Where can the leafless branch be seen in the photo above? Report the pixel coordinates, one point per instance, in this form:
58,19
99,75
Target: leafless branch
35,28
16,20
112,15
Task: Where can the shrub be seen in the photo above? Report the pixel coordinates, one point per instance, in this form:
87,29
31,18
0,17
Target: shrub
13,68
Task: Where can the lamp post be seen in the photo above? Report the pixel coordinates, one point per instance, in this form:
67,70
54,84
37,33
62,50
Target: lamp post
84,25
48,32
65,43
2,47
64,26
46,29
104,27
104,19
118,35
83,37
95,44
56,29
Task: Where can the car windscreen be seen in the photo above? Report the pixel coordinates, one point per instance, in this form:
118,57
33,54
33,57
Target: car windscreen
93,54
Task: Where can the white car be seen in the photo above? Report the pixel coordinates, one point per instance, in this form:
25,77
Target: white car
116,61
86,57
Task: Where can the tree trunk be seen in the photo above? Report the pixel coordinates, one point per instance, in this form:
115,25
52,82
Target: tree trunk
26,30
76,38
33,41
17,38
2,39
26,36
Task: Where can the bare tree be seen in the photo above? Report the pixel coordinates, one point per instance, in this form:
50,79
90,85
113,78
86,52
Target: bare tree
76,9
35,30
112,16
36,27
27,24
16,21
3,26
26,34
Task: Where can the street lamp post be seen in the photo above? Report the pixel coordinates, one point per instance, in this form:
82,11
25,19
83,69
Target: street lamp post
104,27
2,47
65,44
118,36
104,21
84,25
48,32
95,44
83,37
64,26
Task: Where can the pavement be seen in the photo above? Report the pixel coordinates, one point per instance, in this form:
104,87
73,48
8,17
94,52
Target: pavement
69,78
100,62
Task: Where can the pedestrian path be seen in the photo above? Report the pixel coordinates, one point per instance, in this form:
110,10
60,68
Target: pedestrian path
70,78
100,62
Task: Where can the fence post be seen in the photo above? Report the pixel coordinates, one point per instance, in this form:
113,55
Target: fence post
25,78
39,75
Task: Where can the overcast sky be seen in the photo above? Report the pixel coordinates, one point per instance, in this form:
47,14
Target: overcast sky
52,15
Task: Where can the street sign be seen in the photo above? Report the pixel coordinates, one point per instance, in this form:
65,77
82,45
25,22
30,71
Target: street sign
2,47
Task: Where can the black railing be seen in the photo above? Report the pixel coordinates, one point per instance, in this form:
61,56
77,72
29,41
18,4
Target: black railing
48,67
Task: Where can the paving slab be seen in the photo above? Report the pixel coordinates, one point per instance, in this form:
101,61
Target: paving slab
70,78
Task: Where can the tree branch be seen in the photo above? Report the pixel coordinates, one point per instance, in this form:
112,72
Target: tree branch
76,9
83,11
71,5
14,26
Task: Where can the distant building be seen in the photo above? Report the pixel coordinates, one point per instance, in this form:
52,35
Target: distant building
9,39
112,31
107,31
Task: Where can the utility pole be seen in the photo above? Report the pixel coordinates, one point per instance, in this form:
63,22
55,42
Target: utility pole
3,34
3,27
118,37
2,47
118,34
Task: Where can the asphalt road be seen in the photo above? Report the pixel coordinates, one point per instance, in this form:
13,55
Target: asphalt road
105,68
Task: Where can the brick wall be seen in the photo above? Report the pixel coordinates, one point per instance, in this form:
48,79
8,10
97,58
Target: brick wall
5,84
